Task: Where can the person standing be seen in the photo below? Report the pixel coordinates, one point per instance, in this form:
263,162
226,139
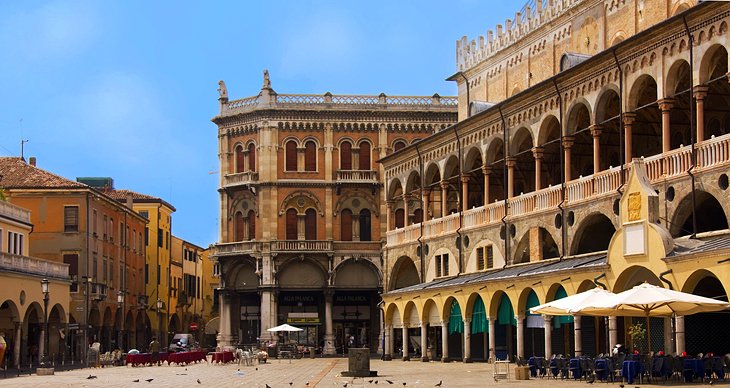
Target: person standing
3,346
155,350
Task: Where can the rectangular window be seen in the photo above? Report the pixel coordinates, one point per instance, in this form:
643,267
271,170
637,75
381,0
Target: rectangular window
147,273
111,270
106,227
146,236
145,214
103,269
480,259
73,264
96,230
438,266
10,242
121,234
96,268
445,261
158,274
71,219
197,288
111,229
490,256
160,236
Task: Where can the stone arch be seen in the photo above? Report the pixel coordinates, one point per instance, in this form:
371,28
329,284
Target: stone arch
404,273
498,258
354,273
495,151
393,316
677,78
473,156
399,144
713,215
301,201
522,249
617,38
175,324
521,147
549,142
553,291
410,315
242,276
522,300
301,273
696,277
413,182
395,188
680,7
356,201
698,338
715,57
593,234
585,285
431,313
579,134
633,276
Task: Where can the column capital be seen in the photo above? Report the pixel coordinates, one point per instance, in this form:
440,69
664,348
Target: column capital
666,104
444,184
511,161
467,321
596,130
547,318
568,142
424,323
389,202
405,197
487,169
464,179
700,91
629,118
519,317
425,192
537,152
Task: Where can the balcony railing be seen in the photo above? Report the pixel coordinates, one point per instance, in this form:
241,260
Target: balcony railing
357,176
357,246
240,178
236,248
31,265
15,212
671,165
301,246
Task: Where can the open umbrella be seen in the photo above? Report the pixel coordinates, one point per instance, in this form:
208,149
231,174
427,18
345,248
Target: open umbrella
564,306
646,300
285,327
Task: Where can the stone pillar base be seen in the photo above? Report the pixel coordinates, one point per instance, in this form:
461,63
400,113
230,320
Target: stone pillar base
225,340
406,358
387,357
444,359
45,371
467,360
424,359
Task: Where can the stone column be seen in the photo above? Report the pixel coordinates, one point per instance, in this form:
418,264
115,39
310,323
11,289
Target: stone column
300,158
665,105
548,326
389,215
301,225
567,145
445,341
486,170
355,227
424,341
679,328
577,335
510,177
467,340
388,351
492,338
596,131
612,331
668,338
406,210
444,193
700,94
520,335
42,343
629,119
464,193
426,206
329,337
225,335
405,342
537,154
16,344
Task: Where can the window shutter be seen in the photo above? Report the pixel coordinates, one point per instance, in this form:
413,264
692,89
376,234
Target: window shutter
71,218
399,218
291,224
346,156
310,225
239,159
238,226
399,145
480,258
364,156
310,156
251,225
490,256
291,155
346,225
251,157
365,234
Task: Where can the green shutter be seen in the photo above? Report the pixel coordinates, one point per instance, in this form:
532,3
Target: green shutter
456,322
479,323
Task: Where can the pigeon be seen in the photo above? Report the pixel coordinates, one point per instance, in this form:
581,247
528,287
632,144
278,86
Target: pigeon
268,386
149,380
291,383
91,377
370,381
496,379
591,381
439,383
135,381
621,386
345,385
404,383
307,383
257,368
376,381
389,382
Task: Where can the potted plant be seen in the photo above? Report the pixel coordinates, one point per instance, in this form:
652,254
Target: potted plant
637,332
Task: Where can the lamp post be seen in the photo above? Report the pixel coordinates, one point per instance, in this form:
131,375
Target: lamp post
159,320
44,356
120,333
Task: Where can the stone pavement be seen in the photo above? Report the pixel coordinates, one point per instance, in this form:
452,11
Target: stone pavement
321,372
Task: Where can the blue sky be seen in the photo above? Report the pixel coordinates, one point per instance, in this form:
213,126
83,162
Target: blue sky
127,89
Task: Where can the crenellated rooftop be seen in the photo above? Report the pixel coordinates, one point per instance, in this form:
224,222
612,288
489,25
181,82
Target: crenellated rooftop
532,16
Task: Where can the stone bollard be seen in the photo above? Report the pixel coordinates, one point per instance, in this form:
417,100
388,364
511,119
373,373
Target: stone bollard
358,363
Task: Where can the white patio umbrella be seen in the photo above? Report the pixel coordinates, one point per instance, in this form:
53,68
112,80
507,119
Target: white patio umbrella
646,300
564,306
285,327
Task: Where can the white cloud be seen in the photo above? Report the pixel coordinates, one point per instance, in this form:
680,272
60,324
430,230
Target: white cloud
55,29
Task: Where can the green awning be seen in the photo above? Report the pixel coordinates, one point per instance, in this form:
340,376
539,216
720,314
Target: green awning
456,322
479,323
532,301
505,313
561,319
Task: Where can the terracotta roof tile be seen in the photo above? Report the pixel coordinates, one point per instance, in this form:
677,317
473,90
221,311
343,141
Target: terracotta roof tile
17,174
121,195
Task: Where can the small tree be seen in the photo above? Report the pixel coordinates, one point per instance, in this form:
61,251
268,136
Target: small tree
637,334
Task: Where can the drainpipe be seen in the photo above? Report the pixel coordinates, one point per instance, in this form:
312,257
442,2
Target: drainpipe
602,285
466,82
461,202
692,127
505,188
621,145
563,227
665,280
423,218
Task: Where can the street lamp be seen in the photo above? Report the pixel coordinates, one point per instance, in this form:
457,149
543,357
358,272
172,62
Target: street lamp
159,320
120,303
45,290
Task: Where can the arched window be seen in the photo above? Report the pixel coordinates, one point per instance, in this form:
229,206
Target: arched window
399,145
346,156
417,216
291,155
364,156
310,224
291,224
365,234
251,157
310,156
238,226
346,225
400,218
251,225
239,158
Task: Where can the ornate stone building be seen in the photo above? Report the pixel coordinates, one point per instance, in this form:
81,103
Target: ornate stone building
302,213
529,197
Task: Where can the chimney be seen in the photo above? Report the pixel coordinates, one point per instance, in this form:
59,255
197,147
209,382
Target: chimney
129,200
31,161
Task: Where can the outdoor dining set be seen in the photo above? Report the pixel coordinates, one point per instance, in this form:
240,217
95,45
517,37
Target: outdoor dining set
630,367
